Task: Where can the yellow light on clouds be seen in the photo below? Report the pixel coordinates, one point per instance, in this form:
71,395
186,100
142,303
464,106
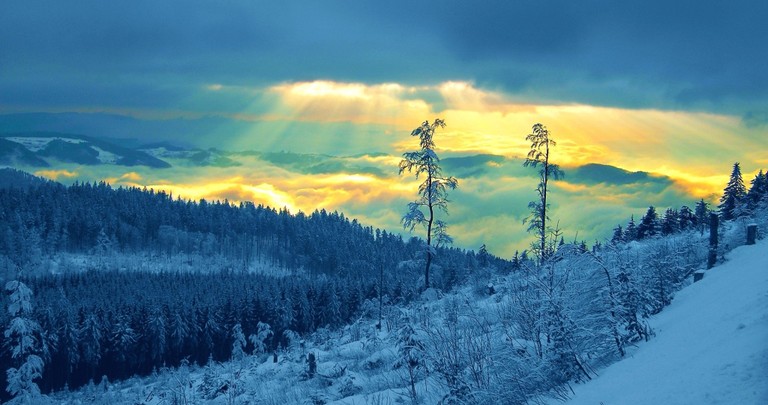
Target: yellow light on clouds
234,191
326,101
56,174
693,148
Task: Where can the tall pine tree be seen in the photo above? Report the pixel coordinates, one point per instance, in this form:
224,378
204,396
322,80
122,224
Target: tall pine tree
733,195
702,215
433,190
539,156
24,339
649,224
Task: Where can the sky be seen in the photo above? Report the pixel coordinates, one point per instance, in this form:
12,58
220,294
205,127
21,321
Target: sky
675,89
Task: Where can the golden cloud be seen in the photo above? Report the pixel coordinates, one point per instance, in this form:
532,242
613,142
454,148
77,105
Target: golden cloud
690,145
327,101
56,174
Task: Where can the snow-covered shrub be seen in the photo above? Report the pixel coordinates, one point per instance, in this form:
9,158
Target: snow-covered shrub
410,359
212,384
347,386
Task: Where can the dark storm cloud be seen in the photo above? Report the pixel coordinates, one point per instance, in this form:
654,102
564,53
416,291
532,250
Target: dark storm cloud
683,54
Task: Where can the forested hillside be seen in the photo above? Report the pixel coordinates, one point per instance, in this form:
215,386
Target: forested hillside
128,280
45,218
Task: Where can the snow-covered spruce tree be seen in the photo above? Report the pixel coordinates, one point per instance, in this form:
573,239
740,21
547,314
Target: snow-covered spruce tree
539,156
433,191
156,332
238,343
259,339
90,334
178,332
24,339
122,341
733,194
631,299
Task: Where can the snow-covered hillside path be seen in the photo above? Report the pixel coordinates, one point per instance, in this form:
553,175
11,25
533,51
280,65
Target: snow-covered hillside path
711,344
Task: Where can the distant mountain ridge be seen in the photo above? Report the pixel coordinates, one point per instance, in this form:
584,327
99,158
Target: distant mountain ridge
37,148
46,149
592,173
13,153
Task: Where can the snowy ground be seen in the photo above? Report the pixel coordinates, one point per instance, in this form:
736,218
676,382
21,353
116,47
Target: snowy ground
711,347
711,344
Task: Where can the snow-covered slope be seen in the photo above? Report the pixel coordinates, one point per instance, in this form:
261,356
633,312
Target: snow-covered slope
711,344
711,347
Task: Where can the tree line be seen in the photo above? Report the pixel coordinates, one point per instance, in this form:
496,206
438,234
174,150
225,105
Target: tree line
46,218
736,202
120,324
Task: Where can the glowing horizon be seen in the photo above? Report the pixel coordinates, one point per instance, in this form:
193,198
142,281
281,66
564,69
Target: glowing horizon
689,153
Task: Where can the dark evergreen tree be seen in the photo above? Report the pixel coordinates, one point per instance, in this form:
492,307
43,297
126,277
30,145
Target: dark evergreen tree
758,190
91,338
122,344
631,233
733,195
156,336
649,224
178,334
482,256
618,235
702,215
686,219
670,223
